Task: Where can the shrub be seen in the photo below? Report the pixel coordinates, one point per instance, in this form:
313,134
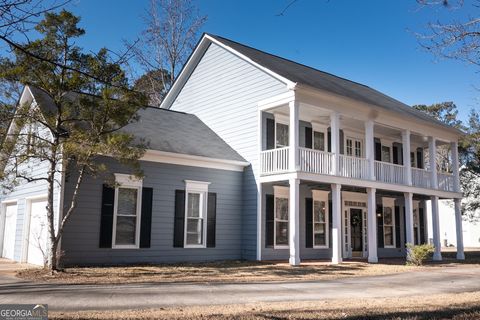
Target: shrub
416,255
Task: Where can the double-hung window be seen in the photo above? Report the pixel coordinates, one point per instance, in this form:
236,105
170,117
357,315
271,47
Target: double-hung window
353,147
281,216
127,209
281,135
320,219
386,154
196,214
388,223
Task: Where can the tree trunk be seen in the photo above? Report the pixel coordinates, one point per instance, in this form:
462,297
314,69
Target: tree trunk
52,253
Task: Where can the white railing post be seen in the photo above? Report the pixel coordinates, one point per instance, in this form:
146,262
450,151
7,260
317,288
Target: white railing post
335,140
432,155
293,135
407,163
455,166
370,148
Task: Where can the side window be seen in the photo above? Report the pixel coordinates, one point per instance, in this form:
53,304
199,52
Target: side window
386,154
281,216
195,213
319,140
281,138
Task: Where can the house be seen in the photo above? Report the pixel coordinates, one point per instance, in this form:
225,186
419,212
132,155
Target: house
253,156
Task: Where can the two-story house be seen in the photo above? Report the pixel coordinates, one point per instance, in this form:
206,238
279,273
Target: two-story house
258,157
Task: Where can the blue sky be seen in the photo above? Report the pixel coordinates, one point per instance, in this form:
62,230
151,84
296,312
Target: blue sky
371,42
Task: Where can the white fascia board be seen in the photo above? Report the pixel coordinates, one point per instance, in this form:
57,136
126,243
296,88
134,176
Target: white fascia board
193,161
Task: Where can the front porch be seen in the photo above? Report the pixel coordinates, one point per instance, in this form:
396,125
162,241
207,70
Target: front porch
307,219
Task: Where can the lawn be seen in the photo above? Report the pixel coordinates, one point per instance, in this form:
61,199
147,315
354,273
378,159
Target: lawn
233,271
463,306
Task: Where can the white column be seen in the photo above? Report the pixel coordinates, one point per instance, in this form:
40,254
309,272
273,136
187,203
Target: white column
407,163
294,222
409,218
336,223
293,135
372,226
259,220
432,158
335,139
437,255
458,225
370,148
455,166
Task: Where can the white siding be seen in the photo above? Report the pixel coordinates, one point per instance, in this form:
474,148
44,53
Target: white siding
223,91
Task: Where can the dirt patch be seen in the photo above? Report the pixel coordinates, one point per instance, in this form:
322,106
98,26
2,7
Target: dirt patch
446,306
235,271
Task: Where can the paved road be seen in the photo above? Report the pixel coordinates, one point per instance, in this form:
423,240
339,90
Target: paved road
136,296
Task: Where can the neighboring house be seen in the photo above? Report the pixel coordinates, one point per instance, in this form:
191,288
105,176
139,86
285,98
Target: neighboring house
295,164
470,226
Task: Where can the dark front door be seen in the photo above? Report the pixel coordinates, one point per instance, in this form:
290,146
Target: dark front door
356,229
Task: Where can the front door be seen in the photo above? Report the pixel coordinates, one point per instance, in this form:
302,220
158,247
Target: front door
356,227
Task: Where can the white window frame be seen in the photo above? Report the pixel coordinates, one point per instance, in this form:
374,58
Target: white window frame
389,153
281,119
127,182
280,192
196,187
316,127
320,195
354,139
389,203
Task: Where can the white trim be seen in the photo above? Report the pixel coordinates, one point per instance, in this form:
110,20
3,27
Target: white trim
3,217
321,195
126,181
26,224
389,203
8,201
200,188
193,161
279,192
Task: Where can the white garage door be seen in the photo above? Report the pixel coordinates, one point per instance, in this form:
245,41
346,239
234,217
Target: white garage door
37,236
9,231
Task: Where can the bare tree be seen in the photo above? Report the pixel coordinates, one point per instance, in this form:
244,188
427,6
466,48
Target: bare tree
172,30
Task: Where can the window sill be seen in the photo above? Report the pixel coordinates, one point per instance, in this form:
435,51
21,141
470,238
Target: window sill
125,247
280,247
389,247
192,246
321,247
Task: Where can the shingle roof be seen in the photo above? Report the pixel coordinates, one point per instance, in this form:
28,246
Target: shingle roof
317,79
166,130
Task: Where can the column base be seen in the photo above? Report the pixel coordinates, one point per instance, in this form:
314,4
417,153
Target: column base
460,256
294,261
437,256
372,260
336,261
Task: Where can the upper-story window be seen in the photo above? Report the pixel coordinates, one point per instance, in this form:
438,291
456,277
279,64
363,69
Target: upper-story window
319,140
413,161
353,147
386,154
281,136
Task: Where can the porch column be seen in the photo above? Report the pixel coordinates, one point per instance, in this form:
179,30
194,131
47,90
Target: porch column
369,148
372,226
432,158
455,166
458,225
407,163
294,222
335,140
409,217
293,135
336,223
437,255
259,219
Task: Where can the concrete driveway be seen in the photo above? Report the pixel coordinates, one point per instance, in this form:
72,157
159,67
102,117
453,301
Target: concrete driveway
136,296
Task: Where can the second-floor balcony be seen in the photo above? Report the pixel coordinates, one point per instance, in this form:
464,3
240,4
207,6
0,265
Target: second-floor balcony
277,161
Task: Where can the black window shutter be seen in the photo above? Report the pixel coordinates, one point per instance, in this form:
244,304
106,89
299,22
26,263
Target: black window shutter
404,226
329,140
146,218
421,219
397,227
380,226
270,134
330,223
420,161
400,154
308,138
269,220
378,149
211,219
308,223
342,144
395,154
106,220
179,223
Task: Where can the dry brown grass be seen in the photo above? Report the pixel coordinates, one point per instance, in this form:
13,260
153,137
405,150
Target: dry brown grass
445,306
233,271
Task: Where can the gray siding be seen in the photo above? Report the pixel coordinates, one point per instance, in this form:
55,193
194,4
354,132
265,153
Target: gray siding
81,240
223,91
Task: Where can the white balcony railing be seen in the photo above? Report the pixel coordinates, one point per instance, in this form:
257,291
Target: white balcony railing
421,178
352,167
315,161
445,181
389,172
274,161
